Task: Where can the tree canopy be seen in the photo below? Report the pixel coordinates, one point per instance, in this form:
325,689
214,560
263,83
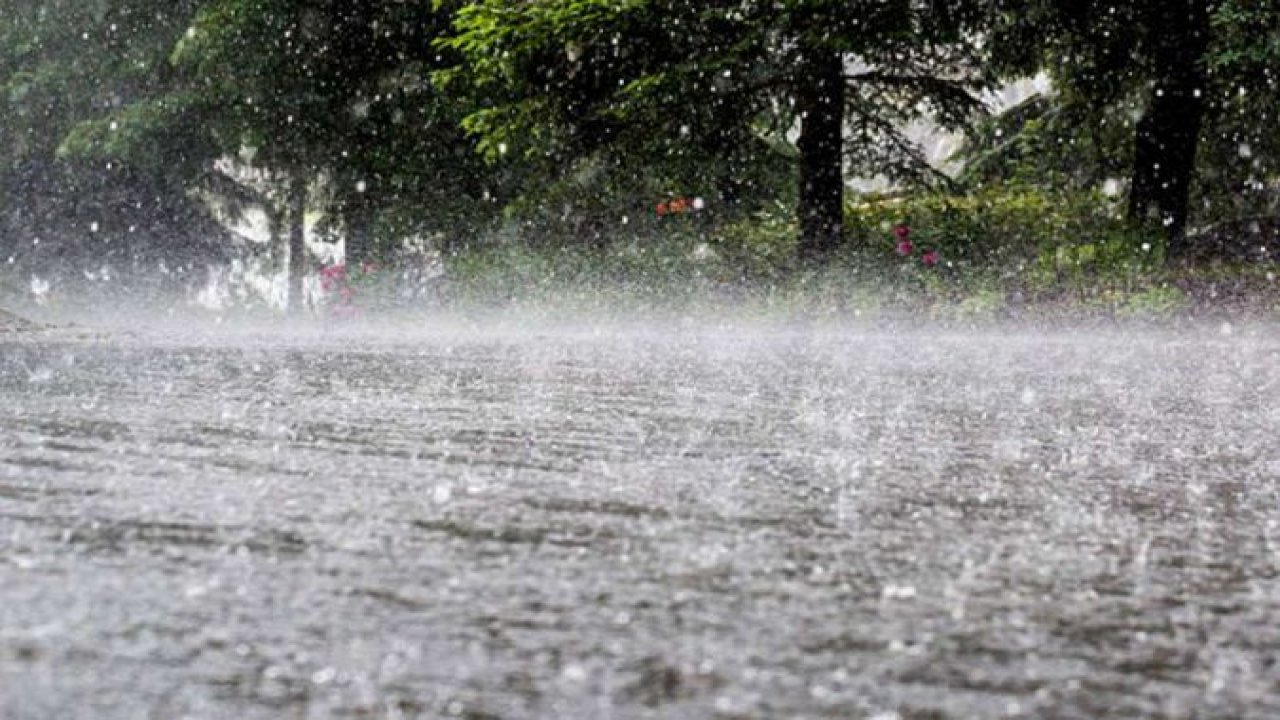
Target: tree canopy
1172,97
449,118
66,65
706,94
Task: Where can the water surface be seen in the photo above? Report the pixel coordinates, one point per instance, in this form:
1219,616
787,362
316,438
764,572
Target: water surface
682,522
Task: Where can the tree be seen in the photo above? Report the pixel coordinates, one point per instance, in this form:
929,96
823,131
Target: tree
1162,71
331,102
1240,154
1167,137
66,64
666,81
341,89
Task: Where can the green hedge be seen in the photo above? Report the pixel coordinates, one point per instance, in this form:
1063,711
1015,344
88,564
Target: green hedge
999,252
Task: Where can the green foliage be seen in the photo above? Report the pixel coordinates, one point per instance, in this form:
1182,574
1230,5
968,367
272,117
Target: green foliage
1157,302
998,251
1100,58
994,228
63,63
66,209
632,272
1051,142
701,97
1241,154
165,134
983,303
760,247
1111,257
342,92
565,121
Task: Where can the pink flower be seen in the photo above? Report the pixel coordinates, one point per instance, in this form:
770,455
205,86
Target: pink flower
905,247
902,232
929,258
332,275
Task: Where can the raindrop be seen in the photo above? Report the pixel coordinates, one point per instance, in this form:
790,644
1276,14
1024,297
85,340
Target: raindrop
442,494
575,673
898,592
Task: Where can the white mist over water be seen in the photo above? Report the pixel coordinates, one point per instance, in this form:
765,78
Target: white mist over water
562,516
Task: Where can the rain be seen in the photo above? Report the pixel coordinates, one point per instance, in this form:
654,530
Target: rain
645,359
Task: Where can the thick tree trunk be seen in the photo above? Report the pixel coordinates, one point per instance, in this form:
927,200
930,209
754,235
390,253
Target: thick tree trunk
295,214
1168,134
820,99
358,217
360,241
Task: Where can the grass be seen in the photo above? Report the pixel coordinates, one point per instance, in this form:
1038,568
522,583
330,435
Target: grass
681,274
1009,255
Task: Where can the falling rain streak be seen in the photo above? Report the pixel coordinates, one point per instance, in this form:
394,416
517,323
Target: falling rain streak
633,522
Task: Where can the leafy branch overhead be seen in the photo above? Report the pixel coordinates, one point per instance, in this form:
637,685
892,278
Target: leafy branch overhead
461,120
664,81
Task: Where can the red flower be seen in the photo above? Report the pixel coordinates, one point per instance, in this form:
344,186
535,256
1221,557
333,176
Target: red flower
929,258
662,209
905,247
332,275
902,232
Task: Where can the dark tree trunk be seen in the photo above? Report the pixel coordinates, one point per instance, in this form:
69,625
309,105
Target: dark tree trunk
359,244
295,217
1168,134
820,100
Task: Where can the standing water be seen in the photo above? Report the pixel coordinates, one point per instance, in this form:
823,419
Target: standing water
625,523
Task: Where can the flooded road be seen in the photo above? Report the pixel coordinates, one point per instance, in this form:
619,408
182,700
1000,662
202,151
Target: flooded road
697,523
